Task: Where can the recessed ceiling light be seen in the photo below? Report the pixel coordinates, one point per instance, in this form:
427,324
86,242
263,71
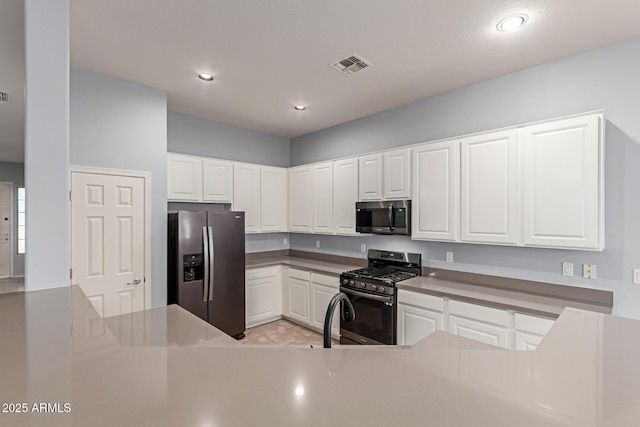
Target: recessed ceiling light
512,22
300,107
205,76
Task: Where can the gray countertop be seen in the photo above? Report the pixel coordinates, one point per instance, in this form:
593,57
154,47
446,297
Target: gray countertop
432,284
142,369
323,267
496,297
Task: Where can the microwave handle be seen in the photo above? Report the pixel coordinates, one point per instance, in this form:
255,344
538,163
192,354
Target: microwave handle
390,217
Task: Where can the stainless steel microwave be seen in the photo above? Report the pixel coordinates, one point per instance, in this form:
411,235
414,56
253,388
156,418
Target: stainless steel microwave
384,217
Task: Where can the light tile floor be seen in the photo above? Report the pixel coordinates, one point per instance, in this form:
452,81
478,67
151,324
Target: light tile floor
15,284
283,332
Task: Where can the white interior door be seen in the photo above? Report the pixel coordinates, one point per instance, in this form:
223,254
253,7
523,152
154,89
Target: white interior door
5,229
108,240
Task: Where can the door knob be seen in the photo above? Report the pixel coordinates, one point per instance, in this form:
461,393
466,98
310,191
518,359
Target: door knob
135,282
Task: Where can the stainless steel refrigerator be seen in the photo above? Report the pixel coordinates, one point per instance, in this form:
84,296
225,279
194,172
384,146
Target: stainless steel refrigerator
206,267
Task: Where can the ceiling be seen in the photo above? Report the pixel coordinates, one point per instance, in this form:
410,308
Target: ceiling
268,56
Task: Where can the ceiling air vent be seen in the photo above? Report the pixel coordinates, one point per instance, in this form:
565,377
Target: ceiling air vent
4,97
350,64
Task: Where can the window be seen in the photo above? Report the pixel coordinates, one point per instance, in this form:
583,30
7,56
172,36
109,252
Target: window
21,221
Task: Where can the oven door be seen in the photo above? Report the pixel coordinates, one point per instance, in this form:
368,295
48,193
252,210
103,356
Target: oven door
375,321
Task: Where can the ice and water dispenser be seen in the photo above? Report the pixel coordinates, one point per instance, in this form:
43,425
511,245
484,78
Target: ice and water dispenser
192,267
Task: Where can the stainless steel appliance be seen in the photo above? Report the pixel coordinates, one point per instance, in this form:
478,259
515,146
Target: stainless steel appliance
206,258
384,217
372,292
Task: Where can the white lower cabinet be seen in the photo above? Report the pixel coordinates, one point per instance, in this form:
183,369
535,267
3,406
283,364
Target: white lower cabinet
263,295
418,316
322,289
485,324
306,298
297,295
479,331
421,314
529,331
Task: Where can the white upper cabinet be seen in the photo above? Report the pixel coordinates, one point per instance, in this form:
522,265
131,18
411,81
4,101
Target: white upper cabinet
345,195
322,197
562,183
217,181
300,199
273,199
246,194
488,188
436,189
184,177
396,179
370,182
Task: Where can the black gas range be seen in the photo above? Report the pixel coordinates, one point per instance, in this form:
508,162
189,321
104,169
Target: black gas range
372,292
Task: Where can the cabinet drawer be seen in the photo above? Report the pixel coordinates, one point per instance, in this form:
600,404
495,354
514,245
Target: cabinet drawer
323,279
299,274
421,300
479,312
533,324
261,272
479,331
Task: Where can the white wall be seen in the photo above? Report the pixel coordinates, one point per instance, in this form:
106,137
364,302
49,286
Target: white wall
122,125
47,259
199,137
604,78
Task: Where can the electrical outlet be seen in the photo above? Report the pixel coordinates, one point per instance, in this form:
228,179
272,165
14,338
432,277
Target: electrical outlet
285,241
363,248
636,276
317,244
589,271
567,268
449,257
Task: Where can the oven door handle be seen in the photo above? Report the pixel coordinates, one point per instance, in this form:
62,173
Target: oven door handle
366,295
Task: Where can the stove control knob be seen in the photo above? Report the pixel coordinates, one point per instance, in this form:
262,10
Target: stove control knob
352,283
381,289
363,285
375,288
345,281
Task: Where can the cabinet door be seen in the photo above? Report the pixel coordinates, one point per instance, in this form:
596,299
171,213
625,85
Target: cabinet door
217,181
436,189
562,183
489,188
263,295
184,176
273,199
298,303
322,197
320,296
300,199
416,323
396,180
479,331
345,195
246,194
370,182
526,341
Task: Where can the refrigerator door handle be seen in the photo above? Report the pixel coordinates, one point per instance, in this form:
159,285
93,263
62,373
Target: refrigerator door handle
211,263
205,261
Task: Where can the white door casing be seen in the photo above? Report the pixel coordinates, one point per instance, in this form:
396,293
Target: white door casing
6,221
109,238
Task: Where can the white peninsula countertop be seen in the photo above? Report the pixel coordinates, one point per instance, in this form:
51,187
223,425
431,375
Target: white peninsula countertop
164,367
